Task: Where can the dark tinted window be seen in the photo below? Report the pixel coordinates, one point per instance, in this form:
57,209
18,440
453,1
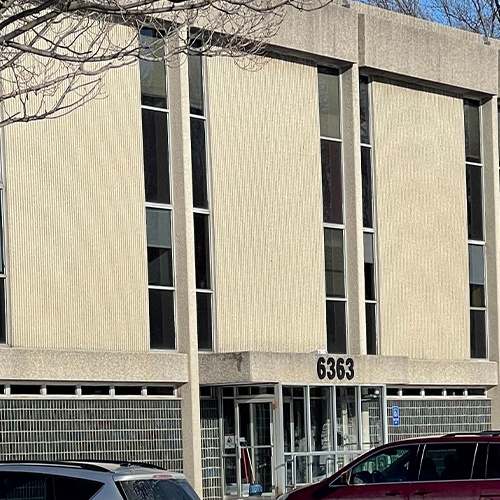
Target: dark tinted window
128,390
366,178
493,461
472,131
195,71
159,489
161,319
388,466
159,238
24,389
336,326
369,266
25,486
447,462
331,169
329,103
371,328
204,320
474,202
480,458
334,262
199,163
155,147
70,488
478,333
61,389
153,74
202,250
476,276
364,110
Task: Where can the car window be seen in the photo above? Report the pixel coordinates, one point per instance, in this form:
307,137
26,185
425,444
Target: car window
158,489
493,461
32,486
23,486
75,488
447,462
388,466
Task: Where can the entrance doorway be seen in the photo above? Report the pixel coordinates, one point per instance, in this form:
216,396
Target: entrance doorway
253,447
275,437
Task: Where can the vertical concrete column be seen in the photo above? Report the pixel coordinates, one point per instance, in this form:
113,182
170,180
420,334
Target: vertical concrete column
187,340
278,441
492,232
353,204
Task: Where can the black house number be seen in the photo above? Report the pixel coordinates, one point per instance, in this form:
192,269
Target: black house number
332,368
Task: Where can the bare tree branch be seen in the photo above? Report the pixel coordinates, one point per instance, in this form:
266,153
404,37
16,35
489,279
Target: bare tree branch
478,16
54,53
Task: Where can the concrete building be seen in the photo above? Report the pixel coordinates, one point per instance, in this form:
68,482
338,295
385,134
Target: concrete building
253,276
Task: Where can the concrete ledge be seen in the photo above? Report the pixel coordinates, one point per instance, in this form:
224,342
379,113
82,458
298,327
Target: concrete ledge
330,32
444,56
92,366
260,367
393,44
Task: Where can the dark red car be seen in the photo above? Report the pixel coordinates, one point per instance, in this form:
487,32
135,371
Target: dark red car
465,466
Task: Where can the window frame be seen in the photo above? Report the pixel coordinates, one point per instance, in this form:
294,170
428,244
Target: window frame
373,228
207,212
445,445
472,241
331,225
167,207
412,470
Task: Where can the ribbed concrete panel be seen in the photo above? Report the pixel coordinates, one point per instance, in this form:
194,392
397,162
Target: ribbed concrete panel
422,223
76,226
268,243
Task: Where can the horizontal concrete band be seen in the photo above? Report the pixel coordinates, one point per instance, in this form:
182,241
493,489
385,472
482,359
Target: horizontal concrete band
94,366
241,367
397,45
262,367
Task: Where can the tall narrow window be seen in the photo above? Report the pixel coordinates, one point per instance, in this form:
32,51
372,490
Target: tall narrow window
333,209
155,130
201,204
369,236
475,230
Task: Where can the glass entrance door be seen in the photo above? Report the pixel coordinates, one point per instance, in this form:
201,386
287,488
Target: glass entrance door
255,448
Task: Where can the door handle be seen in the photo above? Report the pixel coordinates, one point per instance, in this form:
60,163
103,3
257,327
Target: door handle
421,493
392,493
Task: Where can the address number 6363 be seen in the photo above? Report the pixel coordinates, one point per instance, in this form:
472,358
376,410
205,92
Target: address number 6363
332,368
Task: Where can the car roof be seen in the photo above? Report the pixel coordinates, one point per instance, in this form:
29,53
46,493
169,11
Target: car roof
483,436
120,468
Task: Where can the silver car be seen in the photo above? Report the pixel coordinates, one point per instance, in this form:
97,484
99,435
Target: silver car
75,480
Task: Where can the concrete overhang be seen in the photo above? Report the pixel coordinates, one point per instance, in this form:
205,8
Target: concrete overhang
272,367
329,33
422,51
394,45
92,366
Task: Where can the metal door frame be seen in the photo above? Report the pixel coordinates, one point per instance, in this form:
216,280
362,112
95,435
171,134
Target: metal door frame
264,398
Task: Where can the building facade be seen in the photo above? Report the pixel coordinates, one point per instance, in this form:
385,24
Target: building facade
254,276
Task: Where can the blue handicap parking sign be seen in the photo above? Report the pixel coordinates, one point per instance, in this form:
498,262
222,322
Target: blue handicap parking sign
395,416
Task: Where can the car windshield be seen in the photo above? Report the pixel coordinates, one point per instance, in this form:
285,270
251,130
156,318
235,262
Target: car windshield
157,489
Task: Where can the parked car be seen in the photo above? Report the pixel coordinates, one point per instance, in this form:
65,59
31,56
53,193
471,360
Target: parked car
75,480
465,466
